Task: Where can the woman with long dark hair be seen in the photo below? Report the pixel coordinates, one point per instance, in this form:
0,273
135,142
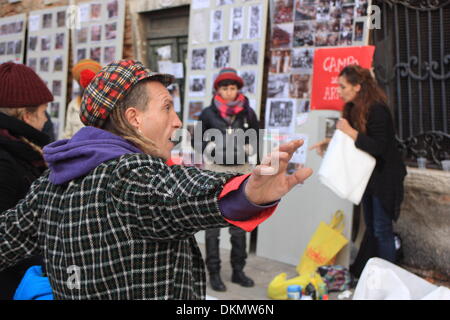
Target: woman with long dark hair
366,118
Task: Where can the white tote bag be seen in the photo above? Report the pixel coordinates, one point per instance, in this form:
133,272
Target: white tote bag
345,169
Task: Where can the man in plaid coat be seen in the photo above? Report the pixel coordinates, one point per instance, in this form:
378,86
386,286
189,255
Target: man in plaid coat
111,218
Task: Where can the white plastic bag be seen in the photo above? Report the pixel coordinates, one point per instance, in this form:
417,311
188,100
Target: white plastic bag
345,169
382,280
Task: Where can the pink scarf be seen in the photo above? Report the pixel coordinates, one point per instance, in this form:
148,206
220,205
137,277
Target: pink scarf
227,110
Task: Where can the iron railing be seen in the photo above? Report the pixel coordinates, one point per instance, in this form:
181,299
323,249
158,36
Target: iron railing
412,62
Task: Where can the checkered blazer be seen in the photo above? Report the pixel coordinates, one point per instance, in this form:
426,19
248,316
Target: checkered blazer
125,230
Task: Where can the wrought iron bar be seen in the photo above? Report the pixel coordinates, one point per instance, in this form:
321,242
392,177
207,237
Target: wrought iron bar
399,97
410,116
430,59
419,53
443,89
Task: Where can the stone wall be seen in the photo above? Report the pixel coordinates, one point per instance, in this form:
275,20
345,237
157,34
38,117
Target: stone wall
424,223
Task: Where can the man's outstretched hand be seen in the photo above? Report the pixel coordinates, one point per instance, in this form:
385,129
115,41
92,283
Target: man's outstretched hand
269,181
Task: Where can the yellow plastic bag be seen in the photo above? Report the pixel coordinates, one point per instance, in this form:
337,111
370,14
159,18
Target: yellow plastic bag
277,288
324,245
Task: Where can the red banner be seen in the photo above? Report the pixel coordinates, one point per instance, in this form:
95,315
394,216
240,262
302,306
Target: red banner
328,63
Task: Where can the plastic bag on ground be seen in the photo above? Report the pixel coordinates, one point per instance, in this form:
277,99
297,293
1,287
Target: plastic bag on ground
382,280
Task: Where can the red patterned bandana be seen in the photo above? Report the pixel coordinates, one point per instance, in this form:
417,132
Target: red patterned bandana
227,110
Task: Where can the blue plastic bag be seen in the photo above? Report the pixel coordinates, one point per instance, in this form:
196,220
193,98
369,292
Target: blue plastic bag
34,286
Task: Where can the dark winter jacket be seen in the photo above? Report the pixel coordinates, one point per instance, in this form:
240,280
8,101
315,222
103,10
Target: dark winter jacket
20,165
387,178
245,120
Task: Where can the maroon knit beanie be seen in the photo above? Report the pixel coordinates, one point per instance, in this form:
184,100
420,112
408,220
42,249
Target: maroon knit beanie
20,87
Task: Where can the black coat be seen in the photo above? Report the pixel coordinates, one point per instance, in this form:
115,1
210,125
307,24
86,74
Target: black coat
20,165
386,181
210,119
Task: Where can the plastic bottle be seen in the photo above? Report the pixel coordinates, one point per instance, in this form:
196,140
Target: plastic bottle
311,291
323,290
294,292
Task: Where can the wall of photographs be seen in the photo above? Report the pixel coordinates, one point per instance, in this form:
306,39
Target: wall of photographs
98,34
232,34
298,28
48,54
12,38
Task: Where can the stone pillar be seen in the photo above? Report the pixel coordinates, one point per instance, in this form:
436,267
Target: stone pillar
424,223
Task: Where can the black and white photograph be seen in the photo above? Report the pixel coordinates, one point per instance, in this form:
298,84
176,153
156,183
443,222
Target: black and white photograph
58,64
111,31
195,108
47,20
109,54
304,34
330,126
216,26
222,57
45,43
44,64
32,63
348,12
10,47
61,19
81,54
335,9
304,11
59,41
358,34
346,38
278,86
282,35
56,88
19,26
280,115
113,9
302,112
249,53
249,77
95,53
197,86
54,109
283,11
224,2
302,60
236,31
299,85
334,25
18,47
361,8
303,106
347,25
96,32
323,10
82,35
198,59
96,11
254,22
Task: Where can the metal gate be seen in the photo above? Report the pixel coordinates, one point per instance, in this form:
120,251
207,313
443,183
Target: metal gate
412,62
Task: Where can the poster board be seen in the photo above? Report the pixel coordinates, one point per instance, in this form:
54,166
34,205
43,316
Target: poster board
48,54
98,33
224,33
327,65
12,38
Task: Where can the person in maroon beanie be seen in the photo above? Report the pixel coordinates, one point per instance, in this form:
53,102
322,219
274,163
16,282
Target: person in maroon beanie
23,102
